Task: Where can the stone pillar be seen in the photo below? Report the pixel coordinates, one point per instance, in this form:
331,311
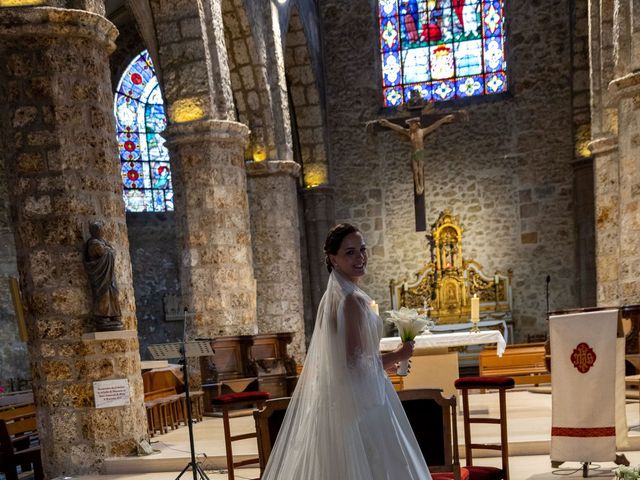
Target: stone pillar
61,159
319,217
275,232
621,37
212,219
606,193
625,93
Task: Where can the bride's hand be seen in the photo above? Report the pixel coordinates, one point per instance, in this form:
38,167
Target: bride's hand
405,350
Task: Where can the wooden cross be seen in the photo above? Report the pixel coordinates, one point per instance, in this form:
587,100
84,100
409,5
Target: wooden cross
415,132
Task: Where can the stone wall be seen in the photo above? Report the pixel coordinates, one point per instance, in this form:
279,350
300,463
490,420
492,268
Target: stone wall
506,171
154,261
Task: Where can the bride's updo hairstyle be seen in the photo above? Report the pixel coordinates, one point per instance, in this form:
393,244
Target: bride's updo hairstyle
334,240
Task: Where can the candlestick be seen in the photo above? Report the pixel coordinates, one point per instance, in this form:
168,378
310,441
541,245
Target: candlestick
375,307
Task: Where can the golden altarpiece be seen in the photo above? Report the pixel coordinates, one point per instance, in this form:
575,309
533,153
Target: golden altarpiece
446,283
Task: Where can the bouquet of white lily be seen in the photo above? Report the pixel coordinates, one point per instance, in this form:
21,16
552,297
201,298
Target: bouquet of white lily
409,324
627,473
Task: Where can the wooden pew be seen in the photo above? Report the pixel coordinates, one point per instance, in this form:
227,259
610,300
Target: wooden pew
19,444
11,399
523,362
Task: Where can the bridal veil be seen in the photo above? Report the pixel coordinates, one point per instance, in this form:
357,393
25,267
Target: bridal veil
345,421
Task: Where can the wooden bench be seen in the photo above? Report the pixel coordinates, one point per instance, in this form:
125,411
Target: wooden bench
523,362
19,443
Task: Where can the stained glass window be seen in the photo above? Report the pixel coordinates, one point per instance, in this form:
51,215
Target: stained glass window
140,119
445,49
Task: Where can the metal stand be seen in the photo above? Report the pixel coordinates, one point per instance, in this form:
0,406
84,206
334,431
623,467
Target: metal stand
585,469
183,350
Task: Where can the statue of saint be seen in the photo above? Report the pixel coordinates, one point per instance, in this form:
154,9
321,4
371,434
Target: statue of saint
416,136
99,262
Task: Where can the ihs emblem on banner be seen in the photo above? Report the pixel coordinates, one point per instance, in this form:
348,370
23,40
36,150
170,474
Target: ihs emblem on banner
583,357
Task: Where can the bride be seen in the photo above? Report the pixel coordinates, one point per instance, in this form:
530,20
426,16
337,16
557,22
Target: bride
345,421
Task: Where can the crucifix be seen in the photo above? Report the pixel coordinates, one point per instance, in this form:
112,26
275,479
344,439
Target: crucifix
415,132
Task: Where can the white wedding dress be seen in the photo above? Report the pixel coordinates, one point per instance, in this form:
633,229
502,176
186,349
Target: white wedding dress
345,421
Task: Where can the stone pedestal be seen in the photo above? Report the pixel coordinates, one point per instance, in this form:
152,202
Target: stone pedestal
61,156
319,217
275,233
212,221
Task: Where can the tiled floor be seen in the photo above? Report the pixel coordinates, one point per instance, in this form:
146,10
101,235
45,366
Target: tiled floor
529,417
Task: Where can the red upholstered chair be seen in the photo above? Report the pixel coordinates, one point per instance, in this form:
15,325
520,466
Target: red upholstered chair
502,384
234,401
433,420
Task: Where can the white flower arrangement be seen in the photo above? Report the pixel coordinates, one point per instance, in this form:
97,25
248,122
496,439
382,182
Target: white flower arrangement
627,473
409,322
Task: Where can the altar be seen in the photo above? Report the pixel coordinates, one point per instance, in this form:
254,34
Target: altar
433,365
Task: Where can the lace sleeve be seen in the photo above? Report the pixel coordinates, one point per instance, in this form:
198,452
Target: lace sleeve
354,321
360,336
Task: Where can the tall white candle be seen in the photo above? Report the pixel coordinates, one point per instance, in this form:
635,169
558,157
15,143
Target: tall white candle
375,308
475,308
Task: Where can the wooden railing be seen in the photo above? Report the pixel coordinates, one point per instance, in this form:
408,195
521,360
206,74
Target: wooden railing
523,362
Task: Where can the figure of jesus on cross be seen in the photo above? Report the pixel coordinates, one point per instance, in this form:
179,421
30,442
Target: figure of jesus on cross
416,133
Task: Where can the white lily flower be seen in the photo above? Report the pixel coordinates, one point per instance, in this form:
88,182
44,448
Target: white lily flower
409,322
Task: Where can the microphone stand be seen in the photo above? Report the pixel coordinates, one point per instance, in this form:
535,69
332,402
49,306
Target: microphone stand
195,466
547,292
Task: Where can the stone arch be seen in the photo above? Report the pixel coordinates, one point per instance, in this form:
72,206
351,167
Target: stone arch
306,105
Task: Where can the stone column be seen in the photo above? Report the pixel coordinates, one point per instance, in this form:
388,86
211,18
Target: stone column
275,231
606,193
625,93
60,154
319,217
212,216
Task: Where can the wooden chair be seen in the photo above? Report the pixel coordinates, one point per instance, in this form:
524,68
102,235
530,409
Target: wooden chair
268,422
19,445
502,384
433,420
230,402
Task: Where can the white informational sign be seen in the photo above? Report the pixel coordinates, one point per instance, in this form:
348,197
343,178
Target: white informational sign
111,393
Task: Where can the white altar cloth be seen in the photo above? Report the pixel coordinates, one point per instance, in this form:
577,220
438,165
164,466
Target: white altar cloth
442,340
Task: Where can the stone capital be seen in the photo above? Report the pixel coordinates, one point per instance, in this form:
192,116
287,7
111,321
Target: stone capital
273,167
205,131
626,86
41,22
603,145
